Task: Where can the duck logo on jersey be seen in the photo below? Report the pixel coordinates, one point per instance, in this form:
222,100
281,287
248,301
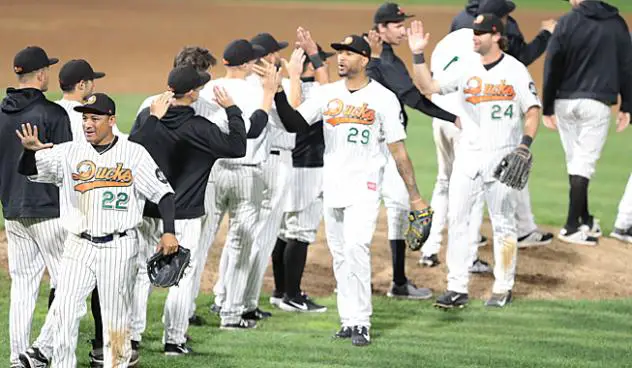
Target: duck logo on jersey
342,113
486,92
91,177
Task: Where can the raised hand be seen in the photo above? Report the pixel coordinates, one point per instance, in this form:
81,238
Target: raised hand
222,97
375,42
161,104
417,39
304,40
271,79
295,66
29,139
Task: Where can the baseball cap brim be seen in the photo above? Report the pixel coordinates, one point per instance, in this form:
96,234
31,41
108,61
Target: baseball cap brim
90,110
52,61
283,44
327,55
341,47
204,78
97,75
258,53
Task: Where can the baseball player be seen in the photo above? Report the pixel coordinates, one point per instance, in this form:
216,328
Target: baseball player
623,223
239,183
185,148
497,94
31,210
592,46
303,208
203,61
358,115
104,182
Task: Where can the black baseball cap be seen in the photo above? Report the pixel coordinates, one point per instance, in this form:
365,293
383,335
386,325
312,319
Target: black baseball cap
99,104
241,51
30,59
268,42
185,78
390,12
77,70
487,23
499,8
353,43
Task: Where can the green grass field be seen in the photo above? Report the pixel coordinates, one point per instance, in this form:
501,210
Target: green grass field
528,334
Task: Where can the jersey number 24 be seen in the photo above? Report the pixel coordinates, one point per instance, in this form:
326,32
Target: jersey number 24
498,113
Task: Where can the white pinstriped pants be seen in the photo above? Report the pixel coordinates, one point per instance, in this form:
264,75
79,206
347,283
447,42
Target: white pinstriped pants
396,200
624,216
33,243
111,267
501,202
179,298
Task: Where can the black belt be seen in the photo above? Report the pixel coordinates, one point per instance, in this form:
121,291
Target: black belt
100,239
275,152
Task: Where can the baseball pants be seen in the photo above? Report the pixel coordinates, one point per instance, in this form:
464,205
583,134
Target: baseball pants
239,192
396,200
446,137
501,203
583,127
112,268
33,244
178,303
276,171
302,225
349,231
624,216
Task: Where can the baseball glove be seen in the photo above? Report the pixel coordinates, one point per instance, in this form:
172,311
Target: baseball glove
513,170
167,270
418,228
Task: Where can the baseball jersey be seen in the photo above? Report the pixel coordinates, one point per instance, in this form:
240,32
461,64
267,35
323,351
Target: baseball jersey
494,102
76,119
279,138
453,53
355,125
204,107
101,193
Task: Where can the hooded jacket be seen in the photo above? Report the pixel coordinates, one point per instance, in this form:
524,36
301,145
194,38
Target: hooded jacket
22,198
589,56
526,53
185,147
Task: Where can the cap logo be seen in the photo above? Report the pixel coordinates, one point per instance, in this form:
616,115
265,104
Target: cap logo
17,69
347,41
400,11
479,19
92,99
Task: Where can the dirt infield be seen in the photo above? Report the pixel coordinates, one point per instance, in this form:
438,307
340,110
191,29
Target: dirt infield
134,43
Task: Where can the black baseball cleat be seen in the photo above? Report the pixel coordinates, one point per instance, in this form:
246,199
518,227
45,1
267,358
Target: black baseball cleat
196,320
344,333
429,261
243,324
33,358
177,349
499,300
215,308
256,315
135,345
301,304
451,300
360,336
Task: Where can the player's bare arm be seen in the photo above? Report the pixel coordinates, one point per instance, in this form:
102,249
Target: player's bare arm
406,171
305,41
531,123
294,69
417,41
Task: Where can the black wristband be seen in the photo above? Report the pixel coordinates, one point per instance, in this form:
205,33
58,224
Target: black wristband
526,140
316,61
419,58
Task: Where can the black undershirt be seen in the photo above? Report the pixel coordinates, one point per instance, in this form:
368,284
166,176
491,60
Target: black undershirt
489,66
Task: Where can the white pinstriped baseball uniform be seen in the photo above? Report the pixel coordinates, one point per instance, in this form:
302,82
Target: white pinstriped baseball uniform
101,194
355,127
624,214
493,103
210,111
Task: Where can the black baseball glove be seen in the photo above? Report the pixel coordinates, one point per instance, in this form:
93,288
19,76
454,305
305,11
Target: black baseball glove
418,228
167,270
513,170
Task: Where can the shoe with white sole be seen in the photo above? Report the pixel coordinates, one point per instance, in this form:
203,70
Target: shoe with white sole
592,228
429,261
360,336
276,298
577,237
622,234
409,291
242,325
535,238
301,304
480,266
482,240
177,349
499,300
33,358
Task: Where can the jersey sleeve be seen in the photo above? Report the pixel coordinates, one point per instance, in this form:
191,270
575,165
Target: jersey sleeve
527,92
393,119
311,108
149,179
49,166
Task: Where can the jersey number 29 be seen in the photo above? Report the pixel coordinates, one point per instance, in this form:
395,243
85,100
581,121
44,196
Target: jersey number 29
353,136
120,204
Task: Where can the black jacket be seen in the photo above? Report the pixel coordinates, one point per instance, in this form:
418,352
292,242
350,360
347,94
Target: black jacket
185,147
391,72
22,198
526,53
589,56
